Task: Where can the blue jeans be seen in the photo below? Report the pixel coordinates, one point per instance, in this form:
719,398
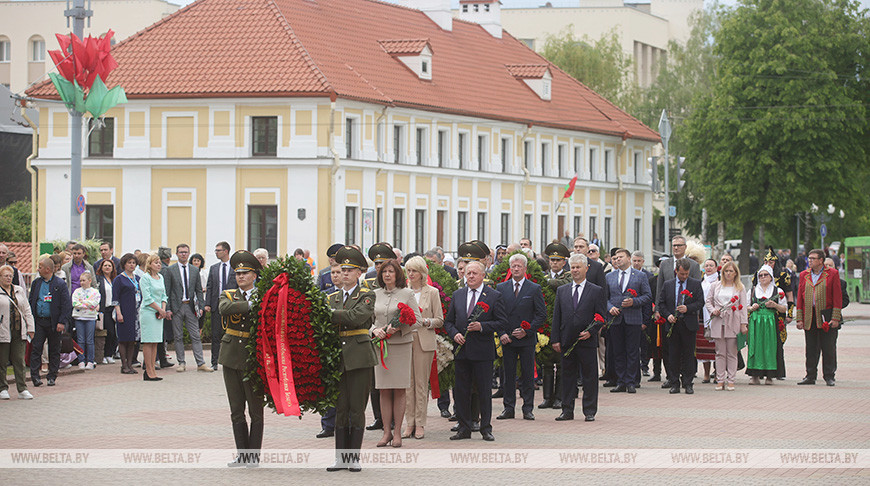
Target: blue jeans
85,337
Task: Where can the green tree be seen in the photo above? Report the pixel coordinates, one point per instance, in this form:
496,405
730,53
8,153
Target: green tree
784,124
15,222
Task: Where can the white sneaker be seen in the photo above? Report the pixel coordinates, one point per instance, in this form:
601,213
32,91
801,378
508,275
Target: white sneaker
105,360
81,366
68,366
25,395
180,368
109,360
4,395
90,366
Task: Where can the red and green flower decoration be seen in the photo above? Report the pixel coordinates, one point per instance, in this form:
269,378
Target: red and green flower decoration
406,317
295,353
597,320
446,285
685,294
480,309
83,66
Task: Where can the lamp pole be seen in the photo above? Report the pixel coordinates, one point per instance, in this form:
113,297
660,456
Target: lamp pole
665,132
78,13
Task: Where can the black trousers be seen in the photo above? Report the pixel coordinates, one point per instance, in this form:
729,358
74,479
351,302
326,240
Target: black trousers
526,357
444,400
609,362
581,362
819,341
469,373
683,364
217,333
44,330
625,343
111,333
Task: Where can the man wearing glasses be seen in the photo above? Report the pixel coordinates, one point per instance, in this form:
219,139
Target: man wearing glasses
819,313
666,272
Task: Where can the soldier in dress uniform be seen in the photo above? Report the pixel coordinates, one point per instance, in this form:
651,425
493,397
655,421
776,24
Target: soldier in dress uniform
551,375
352,311
378,253
557,254
238,319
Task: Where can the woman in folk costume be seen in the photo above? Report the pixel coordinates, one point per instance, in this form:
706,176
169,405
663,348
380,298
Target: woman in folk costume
766,310
783,280
705,349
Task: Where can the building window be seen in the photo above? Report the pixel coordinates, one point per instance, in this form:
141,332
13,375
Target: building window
100,222
505,154
5,50
398,227
421,148
481,226
505,228
442,148
608,160
606,240
382,141
593,223
379,224
545,230
37,49
530,43
424,67
350,138
545,158
482,152
263,228
463,151
398,138
461,227
527,226
563,161
101,141
420,230
265,136
350,225
637,223
578,159
528,156
593,163
638,157
578,225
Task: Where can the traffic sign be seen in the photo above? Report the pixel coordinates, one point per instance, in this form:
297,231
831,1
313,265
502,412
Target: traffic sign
672,211
80,204
823,230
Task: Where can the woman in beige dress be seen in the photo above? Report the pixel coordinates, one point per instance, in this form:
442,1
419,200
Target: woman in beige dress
423,350
393,380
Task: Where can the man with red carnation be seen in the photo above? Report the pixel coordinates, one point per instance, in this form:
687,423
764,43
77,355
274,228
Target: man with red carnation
628,293
681,300
238,320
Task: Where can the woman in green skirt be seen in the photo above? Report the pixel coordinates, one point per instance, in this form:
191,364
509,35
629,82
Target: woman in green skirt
766,302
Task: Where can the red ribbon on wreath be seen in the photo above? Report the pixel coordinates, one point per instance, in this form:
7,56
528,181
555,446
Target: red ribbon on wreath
279,368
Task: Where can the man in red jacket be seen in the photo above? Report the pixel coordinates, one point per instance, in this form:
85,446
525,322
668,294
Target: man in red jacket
819,312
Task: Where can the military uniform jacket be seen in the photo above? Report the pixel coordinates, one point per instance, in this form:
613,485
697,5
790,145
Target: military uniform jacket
237,319
354,318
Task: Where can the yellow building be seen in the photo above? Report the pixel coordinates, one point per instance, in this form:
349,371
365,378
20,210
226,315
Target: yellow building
344,121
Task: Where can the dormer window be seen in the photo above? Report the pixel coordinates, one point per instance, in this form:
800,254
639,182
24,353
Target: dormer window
536,76
415,54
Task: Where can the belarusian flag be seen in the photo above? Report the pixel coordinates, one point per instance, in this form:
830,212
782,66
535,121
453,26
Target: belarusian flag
569,189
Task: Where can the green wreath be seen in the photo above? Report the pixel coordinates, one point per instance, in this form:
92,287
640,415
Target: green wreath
546,355
445,285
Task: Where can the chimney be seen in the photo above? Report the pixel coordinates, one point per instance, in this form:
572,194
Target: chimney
437,10
487,13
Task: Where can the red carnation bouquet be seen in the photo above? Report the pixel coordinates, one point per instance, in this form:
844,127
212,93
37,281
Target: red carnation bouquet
632,292
480,309
685,294
406,317
597,320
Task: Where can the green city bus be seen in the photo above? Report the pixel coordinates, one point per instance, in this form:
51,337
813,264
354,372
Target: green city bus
857,268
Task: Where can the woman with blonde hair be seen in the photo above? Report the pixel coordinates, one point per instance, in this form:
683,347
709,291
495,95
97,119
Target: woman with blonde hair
423,348
152,312
727,304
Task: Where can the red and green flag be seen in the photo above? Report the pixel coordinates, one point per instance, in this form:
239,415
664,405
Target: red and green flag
569,189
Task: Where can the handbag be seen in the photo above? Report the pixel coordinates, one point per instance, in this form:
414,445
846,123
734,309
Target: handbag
708,334
99,321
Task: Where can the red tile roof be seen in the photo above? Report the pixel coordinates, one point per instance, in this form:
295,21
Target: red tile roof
250,48
404,46
23,254
527,70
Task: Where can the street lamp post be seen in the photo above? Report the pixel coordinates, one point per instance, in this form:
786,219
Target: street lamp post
665,132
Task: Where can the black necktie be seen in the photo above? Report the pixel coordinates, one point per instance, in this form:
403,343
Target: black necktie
680,293
471,302
184,282
516,288
621,279
346,296
223,276
576,295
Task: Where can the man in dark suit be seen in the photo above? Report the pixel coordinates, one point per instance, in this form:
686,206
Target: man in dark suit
235,304
106,253
184,291
637,261
352,310
523,303
594,274
626,309
473,362
221,276
324,279
666,273
575,308
682,298
52,310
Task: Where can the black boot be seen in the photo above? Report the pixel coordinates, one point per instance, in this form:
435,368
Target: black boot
557,392
255,442
341,435
548,388
240,433
355,444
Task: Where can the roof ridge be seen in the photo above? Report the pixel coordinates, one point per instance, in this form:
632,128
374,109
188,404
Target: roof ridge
298,43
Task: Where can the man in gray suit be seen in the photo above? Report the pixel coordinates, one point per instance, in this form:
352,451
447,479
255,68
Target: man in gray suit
184,289
666,272
220,277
